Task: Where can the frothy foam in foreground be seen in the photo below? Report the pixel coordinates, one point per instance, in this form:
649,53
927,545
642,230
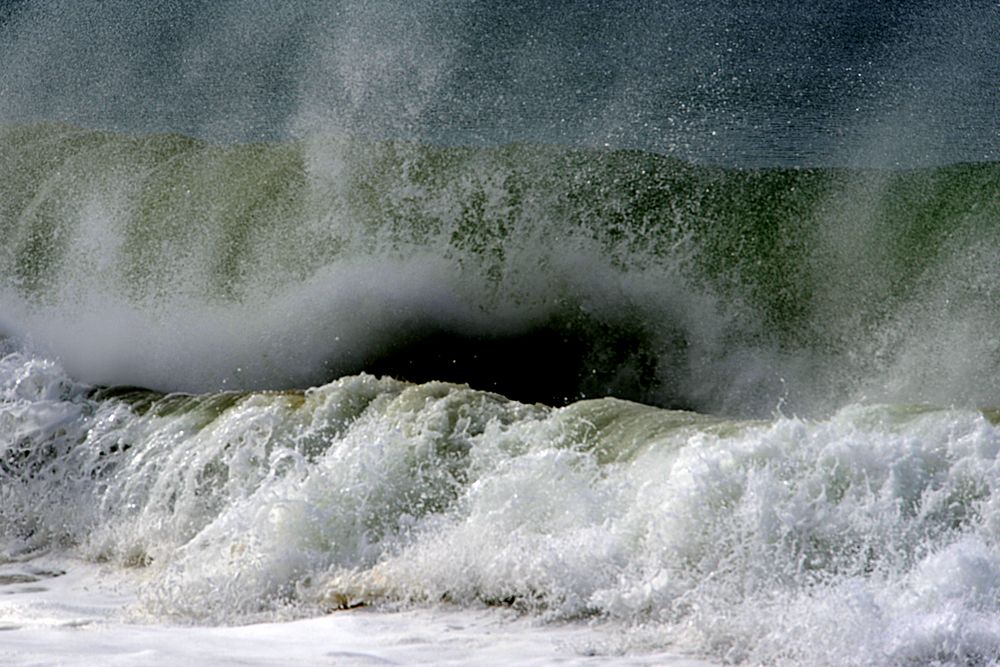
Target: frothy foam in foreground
862,538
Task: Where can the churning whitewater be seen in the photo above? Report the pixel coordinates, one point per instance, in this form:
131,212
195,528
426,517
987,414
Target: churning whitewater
671,328
866,536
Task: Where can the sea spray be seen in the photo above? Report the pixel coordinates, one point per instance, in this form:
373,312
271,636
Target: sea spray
627,273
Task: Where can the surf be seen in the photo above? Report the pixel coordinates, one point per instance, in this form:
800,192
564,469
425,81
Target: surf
453,331
673,526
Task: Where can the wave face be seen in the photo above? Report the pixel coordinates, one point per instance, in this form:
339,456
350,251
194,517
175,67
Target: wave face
546,274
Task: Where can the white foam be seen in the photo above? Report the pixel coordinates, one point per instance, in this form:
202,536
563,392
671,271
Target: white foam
862,538
81,618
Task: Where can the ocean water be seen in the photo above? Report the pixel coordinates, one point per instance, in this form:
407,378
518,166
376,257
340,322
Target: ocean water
597,331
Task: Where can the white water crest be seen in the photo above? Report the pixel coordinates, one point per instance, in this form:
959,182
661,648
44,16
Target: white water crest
861,538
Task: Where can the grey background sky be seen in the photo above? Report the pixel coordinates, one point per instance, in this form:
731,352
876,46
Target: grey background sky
780,82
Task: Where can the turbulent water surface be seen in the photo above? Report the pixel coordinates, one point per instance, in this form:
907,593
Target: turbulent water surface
708,352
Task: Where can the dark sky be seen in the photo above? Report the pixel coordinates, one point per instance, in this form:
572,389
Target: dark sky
720,80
